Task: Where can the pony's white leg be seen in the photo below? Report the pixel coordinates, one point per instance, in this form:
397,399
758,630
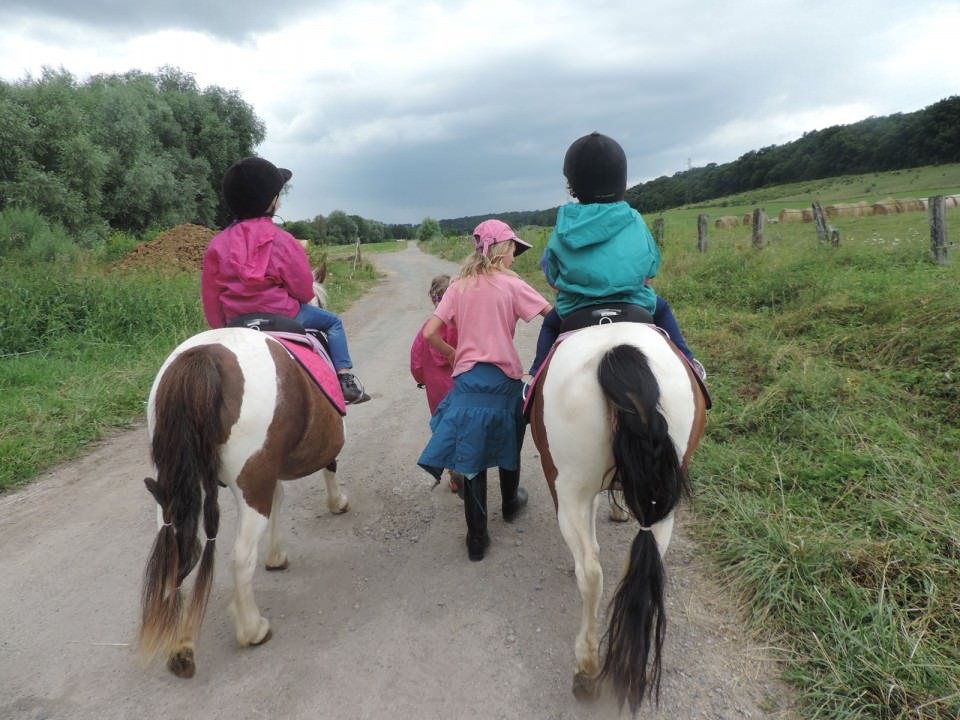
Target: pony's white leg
577,518
618,513
276,549
251,627
662,531
336,500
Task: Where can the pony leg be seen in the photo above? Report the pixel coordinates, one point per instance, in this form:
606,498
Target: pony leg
577,517
337,501
251,627
276,548
618,510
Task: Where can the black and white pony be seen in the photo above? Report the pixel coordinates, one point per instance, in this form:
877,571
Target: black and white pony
617,407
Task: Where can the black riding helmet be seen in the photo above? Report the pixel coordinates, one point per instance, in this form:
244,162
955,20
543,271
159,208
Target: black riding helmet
251,184
596,169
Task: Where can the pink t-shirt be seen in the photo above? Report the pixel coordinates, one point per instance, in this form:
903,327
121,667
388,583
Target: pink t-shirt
485,311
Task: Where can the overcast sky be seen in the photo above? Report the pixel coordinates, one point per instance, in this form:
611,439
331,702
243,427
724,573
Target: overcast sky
397,111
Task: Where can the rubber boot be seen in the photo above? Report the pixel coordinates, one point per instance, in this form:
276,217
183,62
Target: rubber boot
514,497
475,512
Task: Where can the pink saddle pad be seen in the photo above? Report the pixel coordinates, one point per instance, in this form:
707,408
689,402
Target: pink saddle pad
319,367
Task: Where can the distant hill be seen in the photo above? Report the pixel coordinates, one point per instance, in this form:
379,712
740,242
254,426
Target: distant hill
894,142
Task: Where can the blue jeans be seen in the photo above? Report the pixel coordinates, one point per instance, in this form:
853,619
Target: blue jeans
663,318
317,318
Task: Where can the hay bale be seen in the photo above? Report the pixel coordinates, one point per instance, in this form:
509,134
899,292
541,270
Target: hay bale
790,215
726,221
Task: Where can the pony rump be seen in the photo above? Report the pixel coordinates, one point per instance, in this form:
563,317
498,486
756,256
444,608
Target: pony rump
185,450
653,480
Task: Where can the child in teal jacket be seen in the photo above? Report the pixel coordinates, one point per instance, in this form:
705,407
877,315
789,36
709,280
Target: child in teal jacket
601,250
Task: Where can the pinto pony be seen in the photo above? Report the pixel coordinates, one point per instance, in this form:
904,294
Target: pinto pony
617,407
229,408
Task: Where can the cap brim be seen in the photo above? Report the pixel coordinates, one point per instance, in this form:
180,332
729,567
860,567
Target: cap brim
520,246
285,174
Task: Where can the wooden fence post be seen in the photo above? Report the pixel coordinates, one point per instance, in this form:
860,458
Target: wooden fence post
759,221
938,229
820,219
834,236
658,231
702,233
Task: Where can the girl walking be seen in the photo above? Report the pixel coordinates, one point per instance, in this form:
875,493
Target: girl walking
480,424
430,369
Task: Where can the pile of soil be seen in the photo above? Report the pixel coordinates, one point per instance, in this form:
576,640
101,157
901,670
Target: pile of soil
180,248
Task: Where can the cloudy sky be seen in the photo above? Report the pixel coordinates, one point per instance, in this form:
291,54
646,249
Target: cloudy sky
397,111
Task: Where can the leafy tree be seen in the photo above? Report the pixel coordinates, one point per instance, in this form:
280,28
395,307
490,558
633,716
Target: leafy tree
429,228
341,229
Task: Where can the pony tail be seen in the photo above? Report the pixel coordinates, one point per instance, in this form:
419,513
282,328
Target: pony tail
204,580
160,599
653,481
185,451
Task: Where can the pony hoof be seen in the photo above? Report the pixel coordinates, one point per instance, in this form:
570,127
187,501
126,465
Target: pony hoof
263,640
181,664
585,687
276,568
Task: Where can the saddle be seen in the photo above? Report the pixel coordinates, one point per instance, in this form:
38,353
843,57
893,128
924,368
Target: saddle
603,314
600,315
307,346
273,323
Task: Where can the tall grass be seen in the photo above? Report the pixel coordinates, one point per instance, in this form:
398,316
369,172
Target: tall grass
80,345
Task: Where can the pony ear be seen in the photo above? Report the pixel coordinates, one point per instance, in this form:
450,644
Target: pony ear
320,273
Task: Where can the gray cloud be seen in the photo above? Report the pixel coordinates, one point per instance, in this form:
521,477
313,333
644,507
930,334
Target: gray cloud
398,112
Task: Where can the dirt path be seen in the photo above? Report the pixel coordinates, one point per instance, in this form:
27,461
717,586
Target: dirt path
380,614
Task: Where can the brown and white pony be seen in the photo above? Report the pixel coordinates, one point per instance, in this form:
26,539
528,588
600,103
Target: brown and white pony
231,408
618,407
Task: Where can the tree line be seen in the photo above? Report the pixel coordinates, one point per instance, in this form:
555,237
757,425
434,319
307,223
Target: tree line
136,151
894,142
139,151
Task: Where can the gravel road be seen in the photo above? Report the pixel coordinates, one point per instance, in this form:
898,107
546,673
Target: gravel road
380,614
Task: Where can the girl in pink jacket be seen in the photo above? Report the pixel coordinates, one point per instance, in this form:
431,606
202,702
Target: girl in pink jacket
255,266
430,369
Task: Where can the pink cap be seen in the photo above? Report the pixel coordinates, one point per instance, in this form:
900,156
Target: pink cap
491,232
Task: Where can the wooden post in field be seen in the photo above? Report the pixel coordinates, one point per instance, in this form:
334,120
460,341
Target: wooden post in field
820,218
938,229
759,221
834,236
702,233
658,231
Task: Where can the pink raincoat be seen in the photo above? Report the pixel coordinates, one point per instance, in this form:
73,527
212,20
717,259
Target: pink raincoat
254,266
430,368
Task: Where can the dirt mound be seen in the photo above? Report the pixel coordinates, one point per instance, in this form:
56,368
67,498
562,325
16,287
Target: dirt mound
180,248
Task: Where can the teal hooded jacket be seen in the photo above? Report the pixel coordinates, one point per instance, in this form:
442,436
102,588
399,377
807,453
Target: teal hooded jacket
601,252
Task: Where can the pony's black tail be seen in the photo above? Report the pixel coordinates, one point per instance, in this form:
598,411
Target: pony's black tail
653,481
187,432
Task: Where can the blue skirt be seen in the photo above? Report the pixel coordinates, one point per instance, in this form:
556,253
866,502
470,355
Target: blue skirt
478,425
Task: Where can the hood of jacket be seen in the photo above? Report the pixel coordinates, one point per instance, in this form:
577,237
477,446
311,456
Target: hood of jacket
579,226
250,246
